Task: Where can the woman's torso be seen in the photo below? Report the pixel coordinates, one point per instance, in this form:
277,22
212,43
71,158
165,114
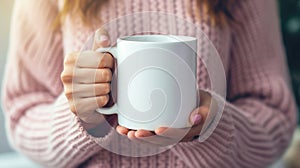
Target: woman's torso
128,17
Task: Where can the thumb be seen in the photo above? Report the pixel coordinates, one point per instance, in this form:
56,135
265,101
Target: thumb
101,39
199,115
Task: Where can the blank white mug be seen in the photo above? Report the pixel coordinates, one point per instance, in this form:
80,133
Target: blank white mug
156,81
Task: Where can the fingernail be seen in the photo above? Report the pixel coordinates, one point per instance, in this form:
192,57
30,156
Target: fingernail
103,38
197,119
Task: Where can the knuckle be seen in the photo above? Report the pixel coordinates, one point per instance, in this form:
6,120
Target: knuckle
101,31
106,60
66,78
70,58
73,108
109,58
102,60
62,76
69,95
103,100
106,74
106,88
111,61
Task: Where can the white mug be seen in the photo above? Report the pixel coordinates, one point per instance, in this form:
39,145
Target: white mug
156,81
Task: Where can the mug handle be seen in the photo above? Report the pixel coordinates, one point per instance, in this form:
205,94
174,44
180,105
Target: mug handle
114,108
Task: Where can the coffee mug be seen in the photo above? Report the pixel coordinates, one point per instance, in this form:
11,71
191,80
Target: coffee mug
156,81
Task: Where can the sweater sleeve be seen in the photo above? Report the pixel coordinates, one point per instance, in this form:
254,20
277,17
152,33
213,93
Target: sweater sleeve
259,116
38,119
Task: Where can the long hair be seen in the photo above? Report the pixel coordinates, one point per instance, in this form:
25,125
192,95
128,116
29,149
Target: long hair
217,10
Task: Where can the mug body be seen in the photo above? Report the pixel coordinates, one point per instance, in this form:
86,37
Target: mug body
156,81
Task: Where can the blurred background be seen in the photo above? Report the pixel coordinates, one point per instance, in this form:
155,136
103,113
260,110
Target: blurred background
290,23
5,15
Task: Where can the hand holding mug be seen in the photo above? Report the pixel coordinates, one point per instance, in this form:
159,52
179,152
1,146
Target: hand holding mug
164,136
86,78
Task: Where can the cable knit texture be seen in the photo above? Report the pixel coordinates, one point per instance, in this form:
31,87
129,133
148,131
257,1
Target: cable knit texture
259,115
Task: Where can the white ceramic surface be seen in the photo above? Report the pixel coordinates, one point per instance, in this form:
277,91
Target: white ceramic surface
156,83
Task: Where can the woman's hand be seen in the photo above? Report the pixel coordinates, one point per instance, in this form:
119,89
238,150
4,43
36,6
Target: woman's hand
86,78
166,136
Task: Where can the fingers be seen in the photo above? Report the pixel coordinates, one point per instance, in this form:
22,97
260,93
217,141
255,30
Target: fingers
147,137
197,118
87,90
144,137
94,60
161,137
122,130
86,78
92,76
131,135
87,104
101,39
143,133
182,135
137,134
175,133
167,136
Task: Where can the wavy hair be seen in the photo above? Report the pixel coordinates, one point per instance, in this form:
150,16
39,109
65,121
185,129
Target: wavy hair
217,10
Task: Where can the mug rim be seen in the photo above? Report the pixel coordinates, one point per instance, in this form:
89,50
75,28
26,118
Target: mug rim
175,38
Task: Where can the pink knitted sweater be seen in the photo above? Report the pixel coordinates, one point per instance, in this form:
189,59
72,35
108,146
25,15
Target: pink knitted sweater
259,115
